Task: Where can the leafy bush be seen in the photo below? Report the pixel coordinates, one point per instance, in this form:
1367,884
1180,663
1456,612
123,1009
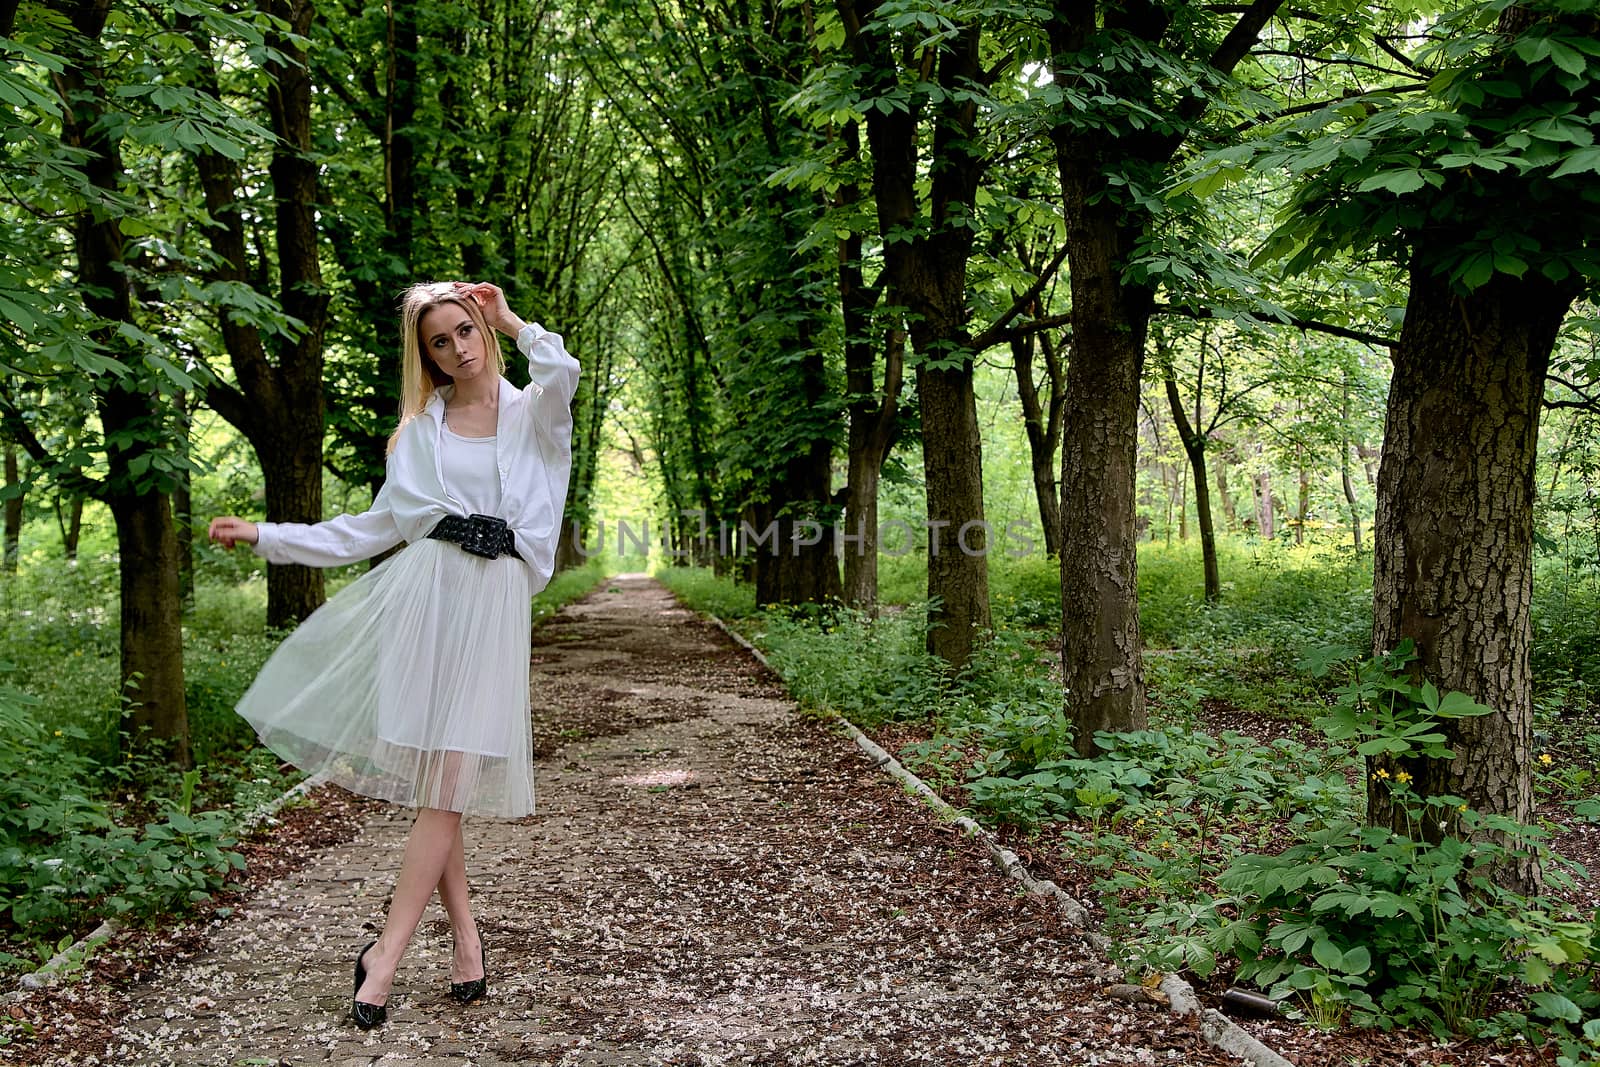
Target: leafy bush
1395,926
64,861
870,670
703,590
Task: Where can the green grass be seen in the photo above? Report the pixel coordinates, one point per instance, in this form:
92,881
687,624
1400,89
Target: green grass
703,590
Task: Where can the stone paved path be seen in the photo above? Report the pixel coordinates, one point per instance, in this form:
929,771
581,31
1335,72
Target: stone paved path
710,878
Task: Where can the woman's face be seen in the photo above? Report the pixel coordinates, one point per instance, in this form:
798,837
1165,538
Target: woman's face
453,341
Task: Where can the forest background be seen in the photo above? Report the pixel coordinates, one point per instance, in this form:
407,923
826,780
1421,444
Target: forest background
1218,348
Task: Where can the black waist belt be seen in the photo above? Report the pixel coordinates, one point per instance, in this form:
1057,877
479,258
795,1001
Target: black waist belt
482,535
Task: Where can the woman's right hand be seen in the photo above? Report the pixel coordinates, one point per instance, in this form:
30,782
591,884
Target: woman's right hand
492,300
228,531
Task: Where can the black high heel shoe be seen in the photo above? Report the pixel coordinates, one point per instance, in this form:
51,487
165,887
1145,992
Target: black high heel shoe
366,1015
467,992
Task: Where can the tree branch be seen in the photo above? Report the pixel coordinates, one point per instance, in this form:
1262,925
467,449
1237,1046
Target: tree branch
1586,401
1308,325
997,331
1400,57
70,478
1318,105
1244,34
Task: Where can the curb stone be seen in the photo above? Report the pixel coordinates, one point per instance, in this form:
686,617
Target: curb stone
1219,1030
52,970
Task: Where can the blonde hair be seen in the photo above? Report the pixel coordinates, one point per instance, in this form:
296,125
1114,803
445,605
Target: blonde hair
419,375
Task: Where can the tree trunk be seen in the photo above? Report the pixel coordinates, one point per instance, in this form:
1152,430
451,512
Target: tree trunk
1265,512
1453,536
874,422
1229,510
152,628
152,634
1302,508
925,272
805,569
1179,477
958,544
1101,653
14,502
292,477
874,412
70,523
1369,462
1350,493
183,507
1344,467
1194,446
279,404
1042,421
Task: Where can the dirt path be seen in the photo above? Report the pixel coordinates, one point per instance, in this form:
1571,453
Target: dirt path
710,879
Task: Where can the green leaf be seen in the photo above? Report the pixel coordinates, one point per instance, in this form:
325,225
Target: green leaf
1458,705
1567,59
1477,271
1536,971
1582,161
1327,954
1553,1005
1394,181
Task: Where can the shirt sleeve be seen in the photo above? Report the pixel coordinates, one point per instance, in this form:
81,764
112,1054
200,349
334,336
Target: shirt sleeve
554,374
343,539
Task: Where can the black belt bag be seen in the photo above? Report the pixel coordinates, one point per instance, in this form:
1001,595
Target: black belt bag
482,535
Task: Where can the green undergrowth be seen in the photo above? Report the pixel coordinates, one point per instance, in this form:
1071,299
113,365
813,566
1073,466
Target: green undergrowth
706,591
89,831
1214,853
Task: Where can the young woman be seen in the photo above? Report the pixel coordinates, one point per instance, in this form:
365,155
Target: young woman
411,684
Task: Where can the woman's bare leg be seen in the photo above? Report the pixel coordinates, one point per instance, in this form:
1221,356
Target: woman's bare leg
434,836
467,962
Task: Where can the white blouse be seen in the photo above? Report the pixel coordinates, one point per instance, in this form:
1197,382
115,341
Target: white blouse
533,458
468,464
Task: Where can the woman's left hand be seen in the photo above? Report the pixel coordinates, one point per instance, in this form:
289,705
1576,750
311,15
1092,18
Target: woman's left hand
492,299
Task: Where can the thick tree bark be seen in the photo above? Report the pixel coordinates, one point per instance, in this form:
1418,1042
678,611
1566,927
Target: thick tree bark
1102,655
151,639
1194,446
152,628
958,576
874,420
14,502
1453,536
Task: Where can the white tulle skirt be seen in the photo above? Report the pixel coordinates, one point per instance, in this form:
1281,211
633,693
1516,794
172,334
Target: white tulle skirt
411,685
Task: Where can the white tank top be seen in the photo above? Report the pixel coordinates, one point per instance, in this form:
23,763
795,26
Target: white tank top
470,474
